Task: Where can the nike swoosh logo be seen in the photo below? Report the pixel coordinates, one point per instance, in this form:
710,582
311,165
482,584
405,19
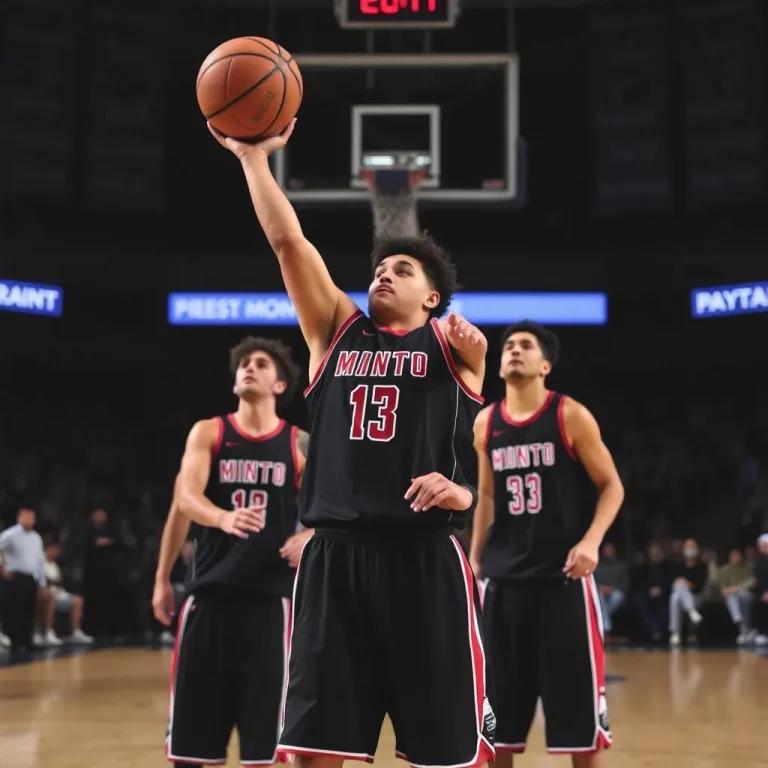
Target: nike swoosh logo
497,432
231,444
368,333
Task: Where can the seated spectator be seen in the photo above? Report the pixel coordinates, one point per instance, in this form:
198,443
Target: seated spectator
735,581
689,578
760,609
612,577
56,599
650,587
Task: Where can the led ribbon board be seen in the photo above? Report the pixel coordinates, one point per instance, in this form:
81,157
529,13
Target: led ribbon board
31,298
744,299
479,308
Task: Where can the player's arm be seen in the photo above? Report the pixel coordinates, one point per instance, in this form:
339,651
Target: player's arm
583,433
486,506
302,445
469,346
193,478
321,307
291,550
175,533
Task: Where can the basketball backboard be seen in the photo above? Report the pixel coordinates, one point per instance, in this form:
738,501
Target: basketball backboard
456,115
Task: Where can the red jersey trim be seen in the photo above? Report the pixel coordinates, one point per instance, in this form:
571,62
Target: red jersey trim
451,364
253,438
530,419
563,432
295,454
217,444
340,331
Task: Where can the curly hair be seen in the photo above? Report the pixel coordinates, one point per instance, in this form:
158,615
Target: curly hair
437,264
280,354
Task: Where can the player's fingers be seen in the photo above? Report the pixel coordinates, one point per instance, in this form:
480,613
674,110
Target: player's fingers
426,492
569,561
453,319
416,484
288,130
438,499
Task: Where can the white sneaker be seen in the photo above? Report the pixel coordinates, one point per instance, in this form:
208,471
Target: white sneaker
674,639
51,638
38,639
78,636
167,638
743,638
695,616
761,640
5,641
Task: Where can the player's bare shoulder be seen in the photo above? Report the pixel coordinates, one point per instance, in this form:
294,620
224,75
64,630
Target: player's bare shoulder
205,434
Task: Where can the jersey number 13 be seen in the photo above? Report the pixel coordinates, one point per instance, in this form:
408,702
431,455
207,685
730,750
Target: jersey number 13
381,401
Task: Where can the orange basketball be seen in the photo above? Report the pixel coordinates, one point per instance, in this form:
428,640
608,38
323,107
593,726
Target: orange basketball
249,88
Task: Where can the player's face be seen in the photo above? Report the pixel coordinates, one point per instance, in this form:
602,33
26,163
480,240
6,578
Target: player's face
522,358
257,377
400,289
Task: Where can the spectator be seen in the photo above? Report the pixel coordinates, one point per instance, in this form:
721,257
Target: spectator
689,578
56,599
612,577
22,575
760,611
735,581
100,576
650,582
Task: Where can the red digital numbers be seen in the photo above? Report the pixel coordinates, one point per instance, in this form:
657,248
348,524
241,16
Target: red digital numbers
394,7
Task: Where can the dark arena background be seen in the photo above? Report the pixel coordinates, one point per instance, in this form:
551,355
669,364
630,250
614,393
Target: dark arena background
599,167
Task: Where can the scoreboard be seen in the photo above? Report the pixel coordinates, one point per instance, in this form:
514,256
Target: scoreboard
397,14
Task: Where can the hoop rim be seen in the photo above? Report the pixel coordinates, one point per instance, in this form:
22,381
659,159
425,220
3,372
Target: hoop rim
415,176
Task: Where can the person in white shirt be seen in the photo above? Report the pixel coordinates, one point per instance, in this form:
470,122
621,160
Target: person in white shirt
22,575
55,598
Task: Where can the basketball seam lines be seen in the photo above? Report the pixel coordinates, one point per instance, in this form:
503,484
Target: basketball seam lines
282,100
230,56
266,77
279,53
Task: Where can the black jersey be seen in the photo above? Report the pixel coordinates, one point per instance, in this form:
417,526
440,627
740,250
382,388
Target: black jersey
384,407
545,501
250,471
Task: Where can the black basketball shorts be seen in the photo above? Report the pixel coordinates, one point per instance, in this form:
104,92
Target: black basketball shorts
387,623
229,670
545,639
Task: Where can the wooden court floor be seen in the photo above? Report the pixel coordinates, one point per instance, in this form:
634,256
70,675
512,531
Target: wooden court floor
107,709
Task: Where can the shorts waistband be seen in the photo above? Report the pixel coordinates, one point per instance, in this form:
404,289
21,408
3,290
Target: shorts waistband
385,533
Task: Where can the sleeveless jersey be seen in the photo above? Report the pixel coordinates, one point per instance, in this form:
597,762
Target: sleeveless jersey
249,471
384,408
545,501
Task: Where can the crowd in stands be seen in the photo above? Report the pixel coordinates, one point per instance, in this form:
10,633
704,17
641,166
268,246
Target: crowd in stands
98,480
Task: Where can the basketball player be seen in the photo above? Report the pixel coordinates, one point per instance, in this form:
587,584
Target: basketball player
384,605
238,481
538,526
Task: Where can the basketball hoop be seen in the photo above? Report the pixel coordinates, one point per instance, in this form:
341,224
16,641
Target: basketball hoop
393,200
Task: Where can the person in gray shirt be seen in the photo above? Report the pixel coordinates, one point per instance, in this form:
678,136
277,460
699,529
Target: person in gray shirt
612,577
22,574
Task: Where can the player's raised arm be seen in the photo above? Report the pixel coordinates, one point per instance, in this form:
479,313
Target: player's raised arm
485,509
320,305
469,346
583,431
193,478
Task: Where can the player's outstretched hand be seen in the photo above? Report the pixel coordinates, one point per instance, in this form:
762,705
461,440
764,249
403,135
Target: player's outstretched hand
241,522
244,149
163,603
582,559
291,550
463,336
435,490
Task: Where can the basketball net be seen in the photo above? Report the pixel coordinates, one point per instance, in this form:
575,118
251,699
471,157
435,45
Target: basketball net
393,201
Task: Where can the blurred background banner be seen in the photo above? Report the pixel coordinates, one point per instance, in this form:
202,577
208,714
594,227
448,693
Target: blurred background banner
479,308
748,298
31,298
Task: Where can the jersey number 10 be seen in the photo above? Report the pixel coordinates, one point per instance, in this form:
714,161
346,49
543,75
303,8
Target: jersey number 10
521,501
255,498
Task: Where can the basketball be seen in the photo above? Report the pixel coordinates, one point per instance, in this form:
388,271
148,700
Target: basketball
249,88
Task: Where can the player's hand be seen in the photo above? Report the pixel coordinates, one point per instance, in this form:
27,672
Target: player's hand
163,602
241,522
291,550
435,490
582,559
244,149
463,336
